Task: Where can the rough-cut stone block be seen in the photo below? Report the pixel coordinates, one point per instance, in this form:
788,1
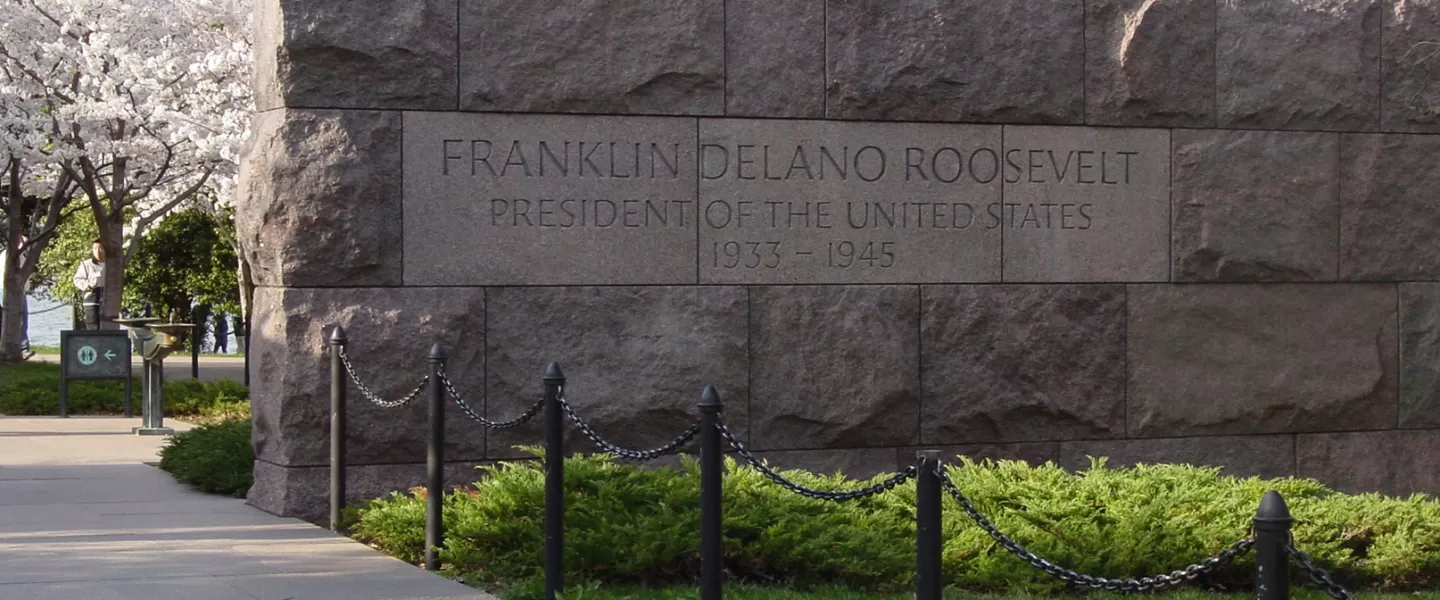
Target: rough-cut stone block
775,58
1034,453
834,366
1013,61
1299,64
391,331
1420,355
1411,67
1240,456
304,492
548,200
345,54
1150,63
1277,358
825,202
635,359
1086,204
858,464
1255,206
1021,363
1391,462
604,56
1388,212
319,198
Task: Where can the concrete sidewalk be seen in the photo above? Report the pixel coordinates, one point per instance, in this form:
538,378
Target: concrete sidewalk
82,517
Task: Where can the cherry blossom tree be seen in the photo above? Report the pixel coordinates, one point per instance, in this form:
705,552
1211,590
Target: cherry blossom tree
128,107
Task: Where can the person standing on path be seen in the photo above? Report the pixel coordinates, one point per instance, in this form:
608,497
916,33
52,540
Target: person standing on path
90,280
222,334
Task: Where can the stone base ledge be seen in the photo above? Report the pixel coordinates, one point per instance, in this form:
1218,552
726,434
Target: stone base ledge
304,492
1391,462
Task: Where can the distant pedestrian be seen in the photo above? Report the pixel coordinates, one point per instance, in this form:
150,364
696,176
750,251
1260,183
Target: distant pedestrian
90,280
222,334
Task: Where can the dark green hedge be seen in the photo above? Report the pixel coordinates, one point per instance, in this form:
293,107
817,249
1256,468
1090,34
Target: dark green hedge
216,458
632,525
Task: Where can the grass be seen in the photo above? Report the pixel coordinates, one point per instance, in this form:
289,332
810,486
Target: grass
55,351
33,389
746,592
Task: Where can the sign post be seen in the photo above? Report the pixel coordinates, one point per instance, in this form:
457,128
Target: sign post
89,355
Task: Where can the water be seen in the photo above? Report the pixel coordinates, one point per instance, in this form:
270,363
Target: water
48,319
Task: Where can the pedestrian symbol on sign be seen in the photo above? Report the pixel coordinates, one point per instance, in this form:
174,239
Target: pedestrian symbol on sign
87,355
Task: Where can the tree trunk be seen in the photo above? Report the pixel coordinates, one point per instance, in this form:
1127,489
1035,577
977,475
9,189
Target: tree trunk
12,289
112,237
11,329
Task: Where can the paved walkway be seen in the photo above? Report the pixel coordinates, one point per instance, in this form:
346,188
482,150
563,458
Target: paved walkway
83,517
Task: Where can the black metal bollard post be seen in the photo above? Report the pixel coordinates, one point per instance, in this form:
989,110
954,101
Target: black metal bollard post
337,427
435,464
129,395
928,580
554,483
1272,562
712,551
197,335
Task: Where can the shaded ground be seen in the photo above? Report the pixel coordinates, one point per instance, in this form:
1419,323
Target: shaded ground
83,516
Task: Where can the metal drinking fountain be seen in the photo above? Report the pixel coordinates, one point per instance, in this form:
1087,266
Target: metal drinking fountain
154,341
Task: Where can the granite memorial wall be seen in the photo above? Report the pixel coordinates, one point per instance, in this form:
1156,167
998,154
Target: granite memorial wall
1153,230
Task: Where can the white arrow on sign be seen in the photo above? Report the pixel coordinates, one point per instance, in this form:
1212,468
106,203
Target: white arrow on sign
109,355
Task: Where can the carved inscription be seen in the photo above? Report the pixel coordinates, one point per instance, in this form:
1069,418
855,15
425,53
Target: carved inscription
1117,180
549,200
825,202
570,200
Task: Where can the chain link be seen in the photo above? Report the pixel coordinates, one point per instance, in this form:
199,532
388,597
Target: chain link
627,454
1156,582
371,396
470,412
1320,576
886,485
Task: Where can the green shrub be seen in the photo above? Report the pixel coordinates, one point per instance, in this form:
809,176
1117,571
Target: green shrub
33,389
217,459
634,525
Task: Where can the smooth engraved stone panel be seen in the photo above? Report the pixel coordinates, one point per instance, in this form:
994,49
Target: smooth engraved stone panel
1086,205
548,200
828,202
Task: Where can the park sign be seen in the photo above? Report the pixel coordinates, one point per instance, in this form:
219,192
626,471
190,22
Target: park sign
93,355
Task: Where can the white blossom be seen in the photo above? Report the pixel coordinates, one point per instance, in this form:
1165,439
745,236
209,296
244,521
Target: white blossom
162,84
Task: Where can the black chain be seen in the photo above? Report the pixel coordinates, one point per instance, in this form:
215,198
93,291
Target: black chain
371,396
1320,576
1156,582
627,454
886,485
470,412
